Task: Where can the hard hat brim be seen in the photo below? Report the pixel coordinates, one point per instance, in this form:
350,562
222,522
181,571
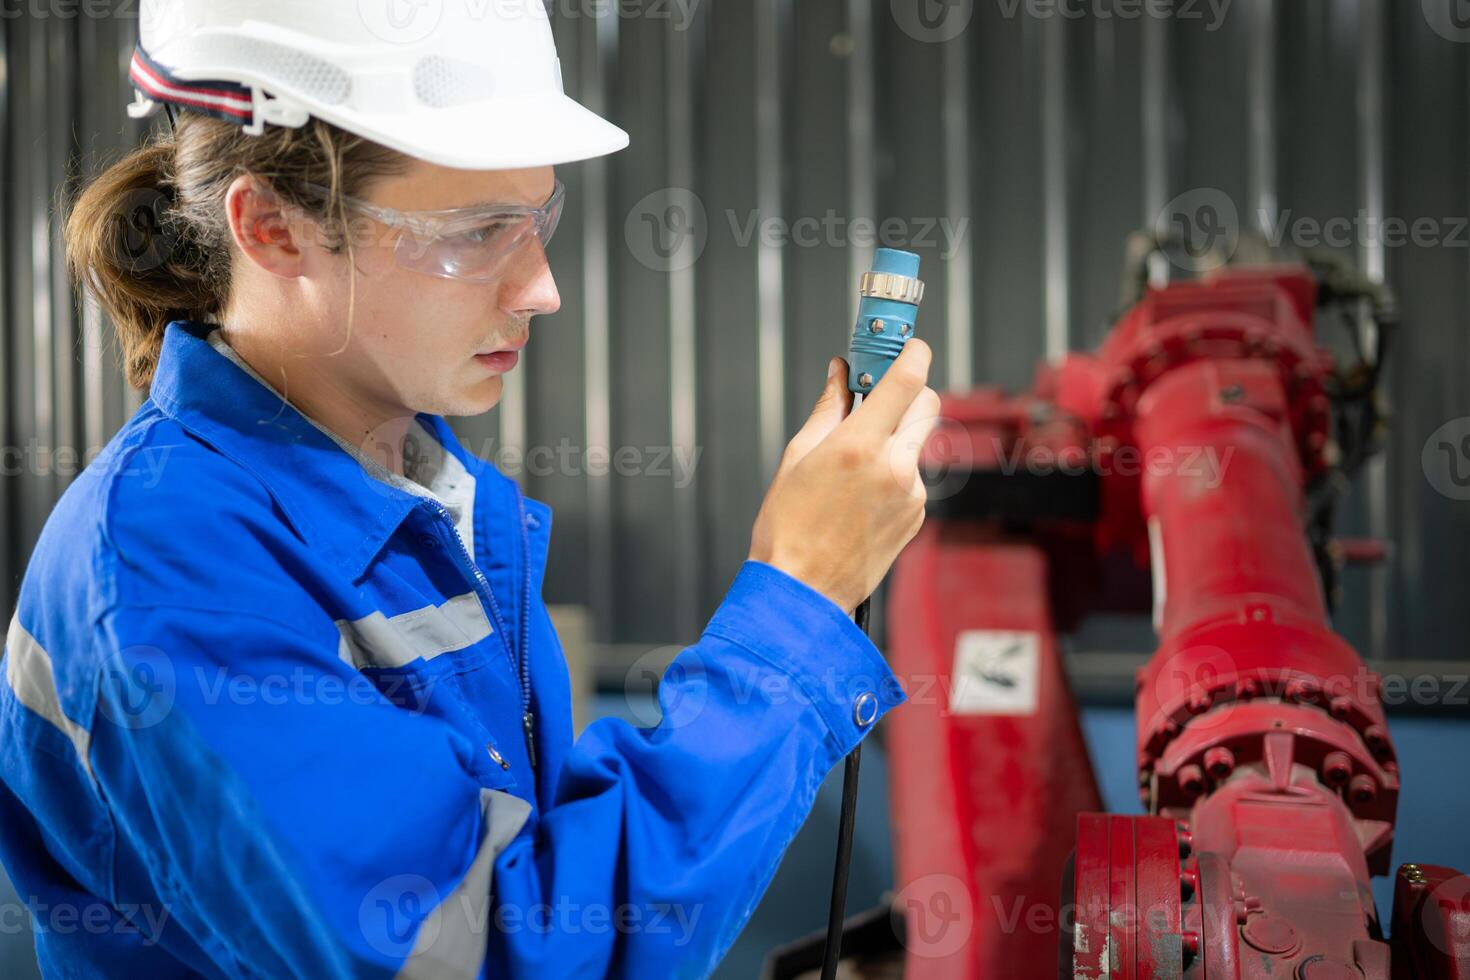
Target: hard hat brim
500,135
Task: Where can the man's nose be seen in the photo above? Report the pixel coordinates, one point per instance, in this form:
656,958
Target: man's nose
530,290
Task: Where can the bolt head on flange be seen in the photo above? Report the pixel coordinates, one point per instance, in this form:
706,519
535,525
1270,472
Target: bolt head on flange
1270,934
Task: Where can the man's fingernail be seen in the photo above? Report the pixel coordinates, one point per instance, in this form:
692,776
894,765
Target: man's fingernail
833,366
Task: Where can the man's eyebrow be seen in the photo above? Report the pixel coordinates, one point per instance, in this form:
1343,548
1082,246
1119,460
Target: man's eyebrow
511,204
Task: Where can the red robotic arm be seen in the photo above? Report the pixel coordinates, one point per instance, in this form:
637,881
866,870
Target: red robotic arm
1264,760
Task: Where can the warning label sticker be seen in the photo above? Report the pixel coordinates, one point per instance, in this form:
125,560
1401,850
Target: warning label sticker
995,673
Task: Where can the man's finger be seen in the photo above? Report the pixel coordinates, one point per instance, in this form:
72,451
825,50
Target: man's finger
914,429
907,442
882,409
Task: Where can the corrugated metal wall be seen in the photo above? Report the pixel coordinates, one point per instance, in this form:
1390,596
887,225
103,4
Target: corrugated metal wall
1015,142
63,81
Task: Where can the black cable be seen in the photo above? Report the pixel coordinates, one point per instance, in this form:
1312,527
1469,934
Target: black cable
846,819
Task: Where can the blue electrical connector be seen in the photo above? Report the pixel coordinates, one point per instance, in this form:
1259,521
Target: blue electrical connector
890,297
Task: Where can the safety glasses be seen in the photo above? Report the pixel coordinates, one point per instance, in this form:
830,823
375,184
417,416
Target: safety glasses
461,243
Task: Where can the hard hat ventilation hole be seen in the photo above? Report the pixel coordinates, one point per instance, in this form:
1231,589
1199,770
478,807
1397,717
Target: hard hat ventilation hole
291,70
442,82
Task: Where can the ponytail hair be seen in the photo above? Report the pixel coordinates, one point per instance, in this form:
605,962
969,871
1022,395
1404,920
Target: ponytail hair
149,237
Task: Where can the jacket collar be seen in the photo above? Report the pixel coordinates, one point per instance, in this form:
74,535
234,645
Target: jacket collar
334,504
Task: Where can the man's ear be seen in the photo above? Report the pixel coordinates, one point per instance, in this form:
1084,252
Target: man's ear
265,231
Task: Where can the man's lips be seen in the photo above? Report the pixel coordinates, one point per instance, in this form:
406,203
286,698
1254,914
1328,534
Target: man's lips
503,359
511,348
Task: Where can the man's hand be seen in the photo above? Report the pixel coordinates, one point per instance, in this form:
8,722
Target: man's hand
847,496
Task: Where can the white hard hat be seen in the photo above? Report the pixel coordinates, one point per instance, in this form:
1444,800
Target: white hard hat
473,84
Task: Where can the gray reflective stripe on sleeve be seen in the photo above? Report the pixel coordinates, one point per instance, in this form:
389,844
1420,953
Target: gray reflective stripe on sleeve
28,671
452,939
376,640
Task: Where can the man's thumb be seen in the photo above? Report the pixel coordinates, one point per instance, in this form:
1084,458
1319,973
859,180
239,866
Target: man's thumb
832,405
831,408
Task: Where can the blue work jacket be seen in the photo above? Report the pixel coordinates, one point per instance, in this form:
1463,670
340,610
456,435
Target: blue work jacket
271,710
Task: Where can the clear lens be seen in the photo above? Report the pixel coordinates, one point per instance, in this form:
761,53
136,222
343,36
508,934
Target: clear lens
466,243
478,252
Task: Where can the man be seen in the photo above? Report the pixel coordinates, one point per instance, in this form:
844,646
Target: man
290,703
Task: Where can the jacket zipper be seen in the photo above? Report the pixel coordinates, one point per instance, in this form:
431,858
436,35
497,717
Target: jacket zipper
528,721
487,598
